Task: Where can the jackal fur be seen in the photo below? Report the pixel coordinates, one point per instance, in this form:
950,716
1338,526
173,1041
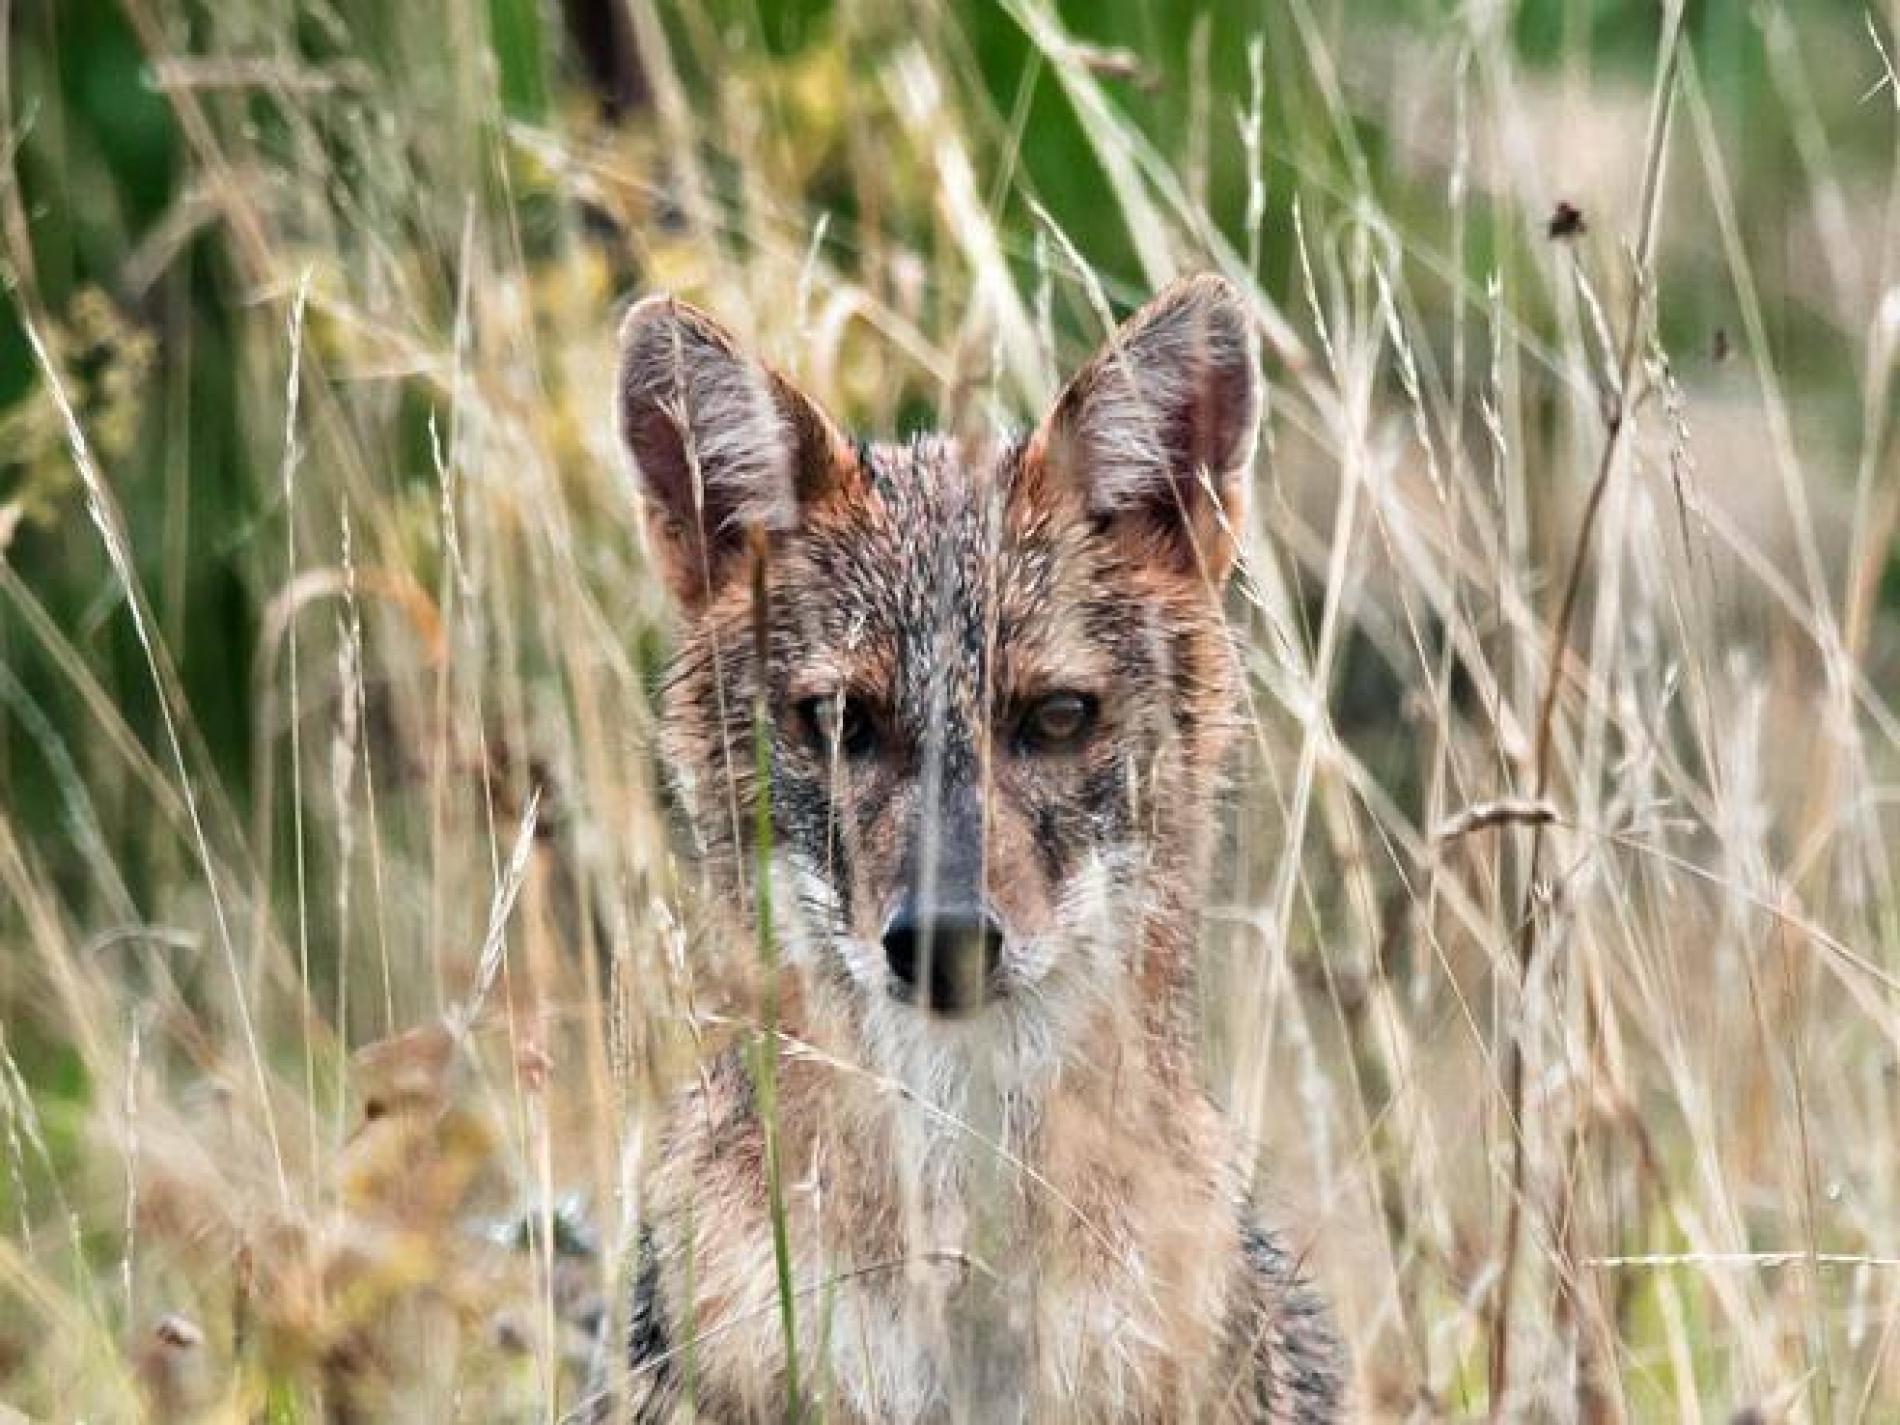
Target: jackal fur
990,673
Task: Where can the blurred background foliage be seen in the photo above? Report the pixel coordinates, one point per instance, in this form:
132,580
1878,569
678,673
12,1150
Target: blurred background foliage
181,172
115,241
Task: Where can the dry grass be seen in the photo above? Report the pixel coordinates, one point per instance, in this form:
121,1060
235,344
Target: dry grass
1556,965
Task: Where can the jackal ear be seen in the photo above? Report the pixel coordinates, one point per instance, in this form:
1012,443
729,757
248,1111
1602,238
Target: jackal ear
1157,432
721,442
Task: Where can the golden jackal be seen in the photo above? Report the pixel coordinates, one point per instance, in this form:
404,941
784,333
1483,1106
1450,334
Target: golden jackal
995,691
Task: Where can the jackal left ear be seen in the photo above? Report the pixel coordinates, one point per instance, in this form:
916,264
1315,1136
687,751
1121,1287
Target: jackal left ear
1157,432
721,443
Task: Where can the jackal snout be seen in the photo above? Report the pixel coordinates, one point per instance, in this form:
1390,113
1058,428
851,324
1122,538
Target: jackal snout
943,956
944,939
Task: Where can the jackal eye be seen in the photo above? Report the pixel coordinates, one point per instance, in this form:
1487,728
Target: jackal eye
841,721
1057,722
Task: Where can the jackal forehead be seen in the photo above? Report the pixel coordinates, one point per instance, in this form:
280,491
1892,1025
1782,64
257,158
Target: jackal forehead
936,591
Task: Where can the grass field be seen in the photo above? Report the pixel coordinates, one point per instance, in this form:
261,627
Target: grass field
345,957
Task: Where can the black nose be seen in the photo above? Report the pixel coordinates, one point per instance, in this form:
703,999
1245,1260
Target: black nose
943,957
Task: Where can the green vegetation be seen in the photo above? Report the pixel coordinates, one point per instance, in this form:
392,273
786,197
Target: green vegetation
342,944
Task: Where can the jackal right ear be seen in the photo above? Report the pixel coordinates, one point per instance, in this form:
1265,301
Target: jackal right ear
1156,434
720,441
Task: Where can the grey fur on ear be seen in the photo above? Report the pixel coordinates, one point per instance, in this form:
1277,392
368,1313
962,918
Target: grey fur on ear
1172,401
720,442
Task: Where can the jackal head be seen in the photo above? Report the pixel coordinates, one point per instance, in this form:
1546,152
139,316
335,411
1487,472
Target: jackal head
988,680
